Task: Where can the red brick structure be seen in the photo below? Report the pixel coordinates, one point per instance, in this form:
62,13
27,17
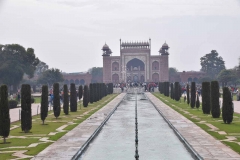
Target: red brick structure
78,78
187,76
135,63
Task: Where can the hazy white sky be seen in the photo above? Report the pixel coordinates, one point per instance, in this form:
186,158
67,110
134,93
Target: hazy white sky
69,34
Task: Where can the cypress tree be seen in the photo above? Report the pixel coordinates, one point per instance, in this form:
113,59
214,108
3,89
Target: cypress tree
56,100
4,113
176,91
66,99
172,91
80,92
73,98
94,92
85,96
91,93
215,107
193,94
206,103
227,107
188,98
26,112
197,102
167,89
44,103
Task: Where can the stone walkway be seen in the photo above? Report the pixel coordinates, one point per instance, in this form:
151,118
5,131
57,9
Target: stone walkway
68,145
207,147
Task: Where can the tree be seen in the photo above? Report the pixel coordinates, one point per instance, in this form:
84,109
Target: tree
97,74
212,64
51,76
167,89
4,113
227,107
188,98
173,72
197,102
65,99
26,112
80,92
176,93
56,100
73,98
206,103
15,61
215,107
41,67
44,103
91,93
205,79
225,76
172,91
85,96
193,94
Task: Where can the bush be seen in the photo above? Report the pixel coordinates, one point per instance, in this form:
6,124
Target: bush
85,96
172,91
227,108
73,98
44,103
188,98
193,94
80,92
91,94
206,103
56,100
66,99
26,112
4,113
12,104
215,107
176,91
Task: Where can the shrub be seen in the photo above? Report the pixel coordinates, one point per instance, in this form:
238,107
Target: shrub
215,107
4,113
188,98
167,89
56,100
66,99
172,91
12,104
73,98
80,92
227,108
32,99
44,103
176,91
91,94
26,112
193,94
197,102
206,104
85,96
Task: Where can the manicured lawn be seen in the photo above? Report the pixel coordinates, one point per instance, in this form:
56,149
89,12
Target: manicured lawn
232,129
37,99
39,131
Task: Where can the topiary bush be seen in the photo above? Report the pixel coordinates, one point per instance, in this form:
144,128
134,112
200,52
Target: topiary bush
32,99
44,103
85,96
188,98
26,111
73,98
91,94
56,100
4,113
206,103
172,91
12,104
80,92
227,108
193,94
66,99
215,107
176,91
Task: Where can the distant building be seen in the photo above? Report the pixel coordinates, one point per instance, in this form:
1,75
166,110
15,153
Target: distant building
187,76
79,78
135,63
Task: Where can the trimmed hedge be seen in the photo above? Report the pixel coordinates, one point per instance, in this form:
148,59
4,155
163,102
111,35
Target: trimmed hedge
227,108
66,99
44,103
215,107
85,96
73,98
172,93
26,111
197,102
4,113
188,98
176,91
80,92
206,103
91,93
193,94
12,104
56,100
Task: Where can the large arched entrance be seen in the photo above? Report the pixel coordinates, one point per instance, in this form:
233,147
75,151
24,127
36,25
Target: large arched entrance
135,68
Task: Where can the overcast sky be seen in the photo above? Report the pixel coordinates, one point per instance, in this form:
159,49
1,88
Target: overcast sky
69,34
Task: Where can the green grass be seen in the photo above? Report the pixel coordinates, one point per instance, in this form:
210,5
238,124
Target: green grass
37,99
51,124
230,129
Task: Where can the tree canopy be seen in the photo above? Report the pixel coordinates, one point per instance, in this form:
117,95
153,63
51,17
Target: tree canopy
15,60
212,64
172,71
51,76
97,73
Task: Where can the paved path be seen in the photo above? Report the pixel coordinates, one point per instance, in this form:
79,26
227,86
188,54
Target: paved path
207,147
14,113
68,145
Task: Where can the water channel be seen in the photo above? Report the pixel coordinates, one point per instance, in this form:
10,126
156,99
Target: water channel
116,141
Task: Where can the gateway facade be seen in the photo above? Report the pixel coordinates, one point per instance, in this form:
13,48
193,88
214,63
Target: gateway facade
135,63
